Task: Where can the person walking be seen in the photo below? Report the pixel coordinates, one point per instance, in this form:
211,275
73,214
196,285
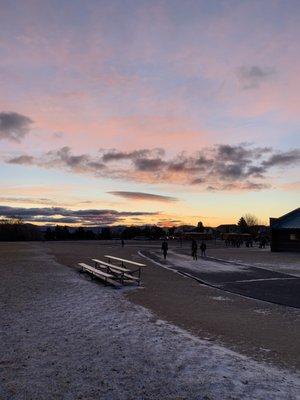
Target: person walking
122,243
194,249
164,248
203,249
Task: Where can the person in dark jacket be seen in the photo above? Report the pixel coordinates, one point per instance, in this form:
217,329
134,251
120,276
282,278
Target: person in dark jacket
194,249
203,249
164,248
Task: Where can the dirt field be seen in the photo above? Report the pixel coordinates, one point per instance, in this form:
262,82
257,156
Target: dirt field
64,336
256,328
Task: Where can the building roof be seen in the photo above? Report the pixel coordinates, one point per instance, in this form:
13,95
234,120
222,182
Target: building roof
227,226
290,220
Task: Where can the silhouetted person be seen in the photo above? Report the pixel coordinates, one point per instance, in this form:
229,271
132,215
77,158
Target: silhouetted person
164,248
262,243
203,249
194,249
122,243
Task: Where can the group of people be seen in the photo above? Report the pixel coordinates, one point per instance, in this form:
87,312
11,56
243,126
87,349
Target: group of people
263,242
195,249
234,242
165,247
238,242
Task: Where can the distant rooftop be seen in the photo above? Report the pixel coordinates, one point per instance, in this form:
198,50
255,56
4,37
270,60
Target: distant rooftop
227,225
287,221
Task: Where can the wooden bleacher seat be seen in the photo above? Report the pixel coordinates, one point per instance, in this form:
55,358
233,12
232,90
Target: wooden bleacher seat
110,265
123,260
106,277
123,272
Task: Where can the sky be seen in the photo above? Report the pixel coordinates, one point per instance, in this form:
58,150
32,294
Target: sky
132,111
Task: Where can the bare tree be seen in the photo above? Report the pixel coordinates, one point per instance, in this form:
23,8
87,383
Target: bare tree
250,219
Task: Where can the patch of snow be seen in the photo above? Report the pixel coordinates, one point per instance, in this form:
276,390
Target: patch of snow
270,265
263,349
202,264
264,312
280,267
161,264
220,298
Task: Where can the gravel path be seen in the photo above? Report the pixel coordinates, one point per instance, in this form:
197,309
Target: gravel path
64,336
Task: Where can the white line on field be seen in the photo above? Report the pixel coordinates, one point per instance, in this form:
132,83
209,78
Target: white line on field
261,279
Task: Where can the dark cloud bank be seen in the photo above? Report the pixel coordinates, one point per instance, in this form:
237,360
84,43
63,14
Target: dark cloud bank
65,216
220,167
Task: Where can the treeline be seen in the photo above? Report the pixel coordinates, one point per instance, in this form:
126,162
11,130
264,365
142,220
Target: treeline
13,229
63,233
149,232
106,233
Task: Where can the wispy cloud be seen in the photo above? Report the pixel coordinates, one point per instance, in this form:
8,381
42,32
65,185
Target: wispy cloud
27,200
283,159
252,77
143,196
22,160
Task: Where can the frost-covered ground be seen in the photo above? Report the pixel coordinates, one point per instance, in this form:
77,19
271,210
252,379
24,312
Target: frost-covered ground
214,265
206,264
64,336
236,258
285,262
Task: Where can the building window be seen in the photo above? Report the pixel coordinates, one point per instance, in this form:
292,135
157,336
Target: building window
295,236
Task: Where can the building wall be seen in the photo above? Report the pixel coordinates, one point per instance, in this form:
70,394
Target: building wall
285,240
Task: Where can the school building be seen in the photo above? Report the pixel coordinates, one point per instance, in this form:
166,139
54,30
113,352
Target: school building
285,232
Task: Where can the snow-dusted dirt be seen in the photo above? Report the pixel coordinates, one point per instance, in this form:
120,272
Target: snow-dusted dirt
205,264
64,336
285,262
238,262
185,261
